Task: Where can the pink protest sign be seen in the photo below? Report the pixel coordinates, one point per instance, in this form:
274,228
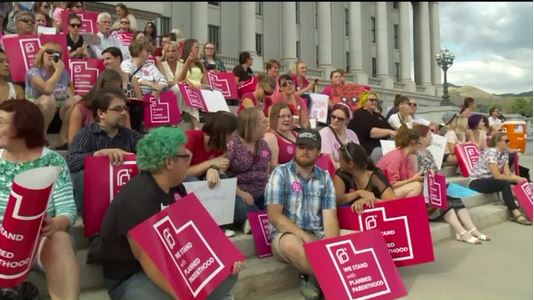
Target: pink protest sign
162,111
404,226
523,194
247,86
22,51
259,225
125,38
325,162
468,155
223,82
89,21
192,97
355,266
23,219
84,73
102,182
188,248
436,190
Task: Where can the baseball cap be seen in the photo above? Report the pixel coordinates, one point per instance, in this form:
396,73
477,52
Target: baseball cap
309,137
448,117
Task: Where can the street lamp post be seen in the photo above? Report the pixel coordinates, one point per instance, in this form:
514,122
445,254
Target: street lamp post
444,59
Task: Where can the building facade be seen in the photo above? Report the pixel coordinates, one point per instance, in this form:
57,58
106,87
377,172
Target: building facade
374,41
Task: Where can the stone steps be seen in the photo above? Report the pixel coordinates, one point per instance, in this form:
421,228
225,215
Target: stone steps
267,275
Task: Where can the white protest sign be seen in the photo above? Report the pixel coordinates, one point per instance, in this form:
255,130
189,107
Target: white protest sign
214,101
46,30
319,107
437,148
387,146
219,201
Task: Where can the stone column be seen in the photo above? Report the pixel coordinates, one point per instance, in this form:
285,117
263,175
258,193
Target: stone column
382,45
405,37
423,66
325,37
199,21
247,37
355,43
435,45
289,34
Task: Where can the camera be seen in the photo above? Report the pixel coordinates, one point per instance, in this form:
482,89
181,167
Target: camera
56,57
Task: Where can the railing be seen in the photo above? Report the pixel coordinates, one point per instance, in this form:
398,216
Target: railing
229,62
315,73
375,81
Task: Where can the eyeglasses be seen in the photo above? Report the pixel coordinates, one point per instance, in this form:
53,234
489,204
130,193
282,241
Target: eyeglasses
412,104
287,83
333,117
119,109
77,25
186,157
372,100
345,148
27,20
125,22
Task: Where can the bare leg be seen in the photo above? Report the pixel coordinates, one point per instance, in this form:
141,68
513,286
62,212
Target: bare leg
64,115
292,247
47,105
61,268
452,219
464,216
411,189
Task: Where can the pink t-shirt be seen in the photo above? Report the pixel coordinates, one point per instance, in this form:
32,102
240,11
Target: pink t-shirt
330,144
267,102
328,90
295,110
396,166
303,83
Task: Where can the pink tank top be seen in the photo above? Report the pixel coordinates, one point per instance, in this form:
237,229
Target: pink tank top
286,148
87,114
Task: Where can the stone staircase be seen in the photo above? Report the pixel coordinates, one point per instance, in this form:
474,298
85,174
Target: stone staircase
262,277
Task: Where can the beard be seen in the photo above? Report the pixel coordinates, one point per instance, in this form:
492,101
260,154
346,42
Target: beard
304,162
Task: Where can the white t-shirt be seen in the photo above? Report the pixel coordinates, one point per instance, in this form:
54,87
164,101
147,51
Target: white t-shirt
396,122
493,121
421,121
329,143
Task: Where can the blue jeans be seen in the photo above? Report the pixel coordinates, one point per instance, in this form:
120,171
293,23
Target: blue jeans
140,287
77,186
241,209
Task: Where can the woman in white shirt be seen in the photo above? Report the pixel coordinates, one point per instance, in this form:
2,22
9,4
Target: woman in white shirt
403,115
455,135
336,134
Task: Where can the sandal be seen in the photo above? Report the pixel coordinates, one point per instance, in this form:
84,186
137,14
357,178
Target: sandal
481,236
520,219
472,240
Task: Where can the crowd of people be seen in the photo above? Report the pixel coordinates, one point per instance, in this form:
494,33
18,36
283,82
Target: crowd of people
270,146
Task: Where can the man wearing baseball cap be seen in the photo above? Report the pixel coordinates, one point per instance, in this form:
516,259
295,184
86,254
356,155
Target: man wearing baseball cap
301,204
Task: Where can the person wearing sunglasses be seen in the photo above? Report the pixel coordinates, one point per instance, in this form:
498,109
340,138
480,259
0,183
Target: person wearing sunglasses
23,147
43,8
106,136
25,23
75,43
296,104
336,134
491,174
358,182
370,126
106,40
398,165
124,33
75,6
456,214
261,97
403,115
122,12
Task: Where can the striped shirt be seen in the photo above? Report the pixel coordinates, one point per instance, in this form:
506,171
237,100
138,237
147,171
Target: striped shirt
62,202
303,200
148,72
93,138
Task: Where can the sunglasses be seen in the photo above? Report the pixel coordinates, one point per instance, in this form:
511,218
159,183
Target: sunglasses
372,100
209,48
125,22
345,148
287,83
119,109
77,25
27,20
78,6
413,104
337,118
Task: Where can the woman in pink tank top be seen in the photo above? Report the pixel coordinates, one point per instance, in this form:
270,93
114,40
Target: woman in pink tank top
280,138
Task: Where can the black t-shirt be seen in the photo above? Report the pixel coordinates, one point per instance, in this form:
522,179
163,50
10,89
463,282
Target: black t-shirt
362,122
377,183
243,74
137,201
72,46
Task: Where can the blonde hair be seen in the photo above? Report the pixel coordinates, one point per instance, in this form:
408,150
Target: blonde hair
459,126
39,59
249,120
365,97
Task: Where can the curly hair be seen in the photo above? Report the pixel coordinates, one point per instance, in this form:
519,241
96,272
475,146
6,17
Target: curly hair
157,145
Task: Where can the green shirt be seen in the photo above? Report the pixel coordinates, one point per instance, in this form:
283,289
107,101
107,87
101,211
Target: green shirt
62,202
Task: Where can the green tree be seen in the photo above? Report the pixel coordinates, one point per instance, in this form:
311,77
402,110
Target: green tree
521,105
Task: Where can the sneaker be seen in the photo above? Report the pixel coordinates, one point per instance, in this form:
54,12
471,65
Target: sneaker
309,288
246,227
229,232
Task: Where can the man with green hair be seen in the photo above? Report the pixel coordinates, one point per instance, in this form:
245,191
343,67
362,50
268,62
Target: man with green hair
128,271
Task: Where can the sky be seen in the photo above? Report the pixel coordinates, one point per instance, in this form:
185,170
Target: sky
492,42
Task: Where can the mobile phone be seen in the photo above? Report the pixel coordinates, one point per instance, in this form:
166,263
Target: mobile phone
56,56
